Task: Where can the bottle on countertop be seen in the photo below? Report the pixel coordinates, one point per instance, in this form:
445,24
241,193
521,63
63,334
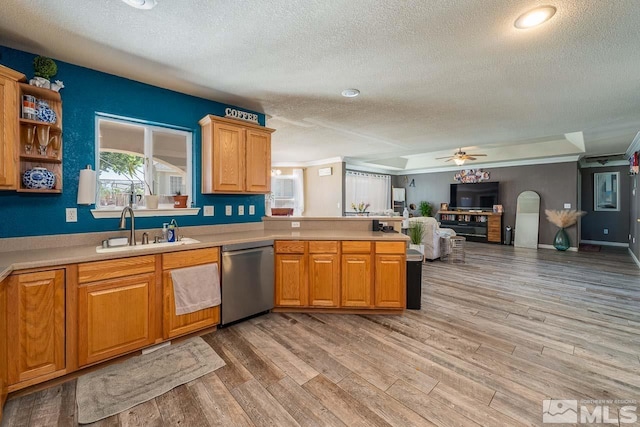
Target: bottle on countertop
165,232
405,215
171,233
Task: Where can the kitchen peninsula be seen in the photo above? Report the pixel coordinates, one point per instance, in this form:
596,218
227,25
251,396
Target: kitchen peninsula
69,305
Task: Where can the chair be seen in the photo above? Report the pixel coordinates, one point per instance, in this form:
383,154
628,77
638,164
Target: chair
431,235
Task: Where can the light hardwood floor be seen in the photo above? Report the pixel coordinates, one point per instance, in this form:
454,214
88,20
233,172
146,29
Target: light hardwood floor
495,337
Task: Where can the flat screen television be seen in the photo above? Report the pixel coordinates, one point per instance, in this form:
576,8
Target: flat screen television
482,195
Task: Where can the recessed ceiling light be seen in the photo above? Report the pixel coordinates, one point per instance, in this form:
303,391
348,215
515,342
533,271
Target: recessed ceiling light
142,4
350,93
534,17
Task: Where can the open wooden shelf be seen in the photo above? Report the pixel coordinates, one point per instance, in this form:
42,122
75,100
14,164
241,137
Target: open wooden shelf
52,126
28,190
39,158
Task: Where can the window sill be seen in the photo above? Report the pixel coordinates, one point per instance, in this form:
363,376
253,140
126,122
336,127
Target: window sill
143,213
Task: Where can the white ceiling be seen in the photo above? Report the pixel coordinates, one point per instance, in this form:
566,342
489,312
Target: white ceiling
435,75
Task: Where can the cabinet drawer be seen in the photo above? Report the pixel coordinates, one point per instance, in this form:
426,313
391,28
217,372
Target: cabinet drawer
355,247
330,247
190,258
391,248
111,269
289,247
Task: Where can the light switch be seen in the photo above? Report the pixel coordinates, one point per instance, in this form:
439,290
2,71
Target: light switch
567,205
241,210
252,210
228,210
208,211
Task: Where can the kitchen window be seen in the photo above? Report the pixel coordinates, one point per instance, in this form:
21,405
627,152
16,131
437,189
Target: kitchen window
141,159
371,188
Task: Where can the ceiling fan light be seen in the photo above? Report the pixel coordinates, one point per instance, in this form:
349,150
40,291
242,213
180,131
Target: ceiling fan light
459,162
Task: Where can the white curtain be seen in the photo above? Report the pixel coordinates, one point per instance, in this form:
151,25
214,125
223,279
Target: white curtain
364,187
298,178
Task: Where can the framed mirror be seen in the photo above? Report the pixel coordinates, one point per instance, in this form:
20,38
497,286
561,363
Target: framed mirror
606,187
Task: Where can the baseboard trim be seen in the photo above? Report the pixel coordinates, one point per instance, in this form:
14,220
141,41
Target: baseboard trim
635,259
598,242
571,249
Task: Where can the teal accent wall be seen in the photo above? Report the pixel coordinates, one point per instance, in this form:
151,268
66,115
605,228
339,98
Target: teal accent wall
87,92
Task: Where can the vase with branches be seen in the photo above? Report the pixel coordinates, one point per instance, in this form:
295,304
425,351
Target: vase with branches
563,218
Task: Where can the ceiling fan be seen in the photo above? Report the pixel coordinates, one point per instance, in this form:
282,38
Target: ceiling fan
459,157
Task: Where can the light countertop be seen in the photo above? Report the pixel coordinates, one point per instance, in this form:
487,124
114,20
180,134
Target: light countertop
50,257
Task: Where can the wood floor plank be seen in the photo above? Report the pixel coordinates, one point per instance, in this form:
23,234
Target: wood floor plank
180,407
232,373
381,403
302,406
218,405
261,406
68,414
351,411
144,414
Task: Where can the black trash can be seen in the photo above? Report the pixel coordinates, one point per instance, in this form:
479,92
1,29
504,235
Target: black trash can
414,279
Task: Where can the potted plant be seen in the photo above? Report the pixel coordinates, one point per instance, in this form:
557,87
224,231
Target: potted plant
563,219
360,208
416,231
425,208
44,68
179,201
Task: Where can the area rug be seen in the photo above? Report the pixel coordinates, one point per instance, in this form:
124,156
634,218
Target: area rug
122,386
585,247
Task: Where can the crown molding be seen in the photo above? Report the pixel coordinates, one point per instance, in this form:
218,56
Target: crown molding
635,145
306,164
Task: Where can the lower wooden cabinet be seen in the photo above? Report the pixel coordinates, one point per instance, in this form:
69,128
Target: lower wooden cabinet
115,316
35,325
291,289
324,280
174,325
390,275
357,281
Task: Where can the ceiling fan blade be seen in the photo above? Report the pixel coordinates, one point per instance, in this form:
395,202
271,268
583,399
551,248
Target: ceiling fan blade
448,160
478,155
469,158
447,157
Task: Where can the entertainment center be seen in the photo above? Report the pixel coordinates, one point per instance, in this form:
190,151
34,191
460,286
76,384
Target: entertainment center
475,226
471,214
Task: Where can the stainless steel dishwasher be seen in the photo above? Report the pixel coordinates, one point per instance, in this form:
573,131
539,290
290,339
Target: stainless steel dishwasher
247,280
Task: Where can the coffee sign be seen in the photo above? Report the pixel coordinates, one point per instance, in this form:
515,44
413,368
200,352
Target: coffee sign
242,115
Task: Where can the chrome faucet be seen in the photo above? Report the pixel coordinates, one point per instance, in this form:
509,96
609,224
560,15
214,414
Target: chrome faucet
176,229
123,224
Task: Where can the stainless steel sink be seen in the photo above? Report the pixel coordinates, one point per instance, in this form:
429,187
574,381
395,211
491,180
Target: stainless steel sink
139,246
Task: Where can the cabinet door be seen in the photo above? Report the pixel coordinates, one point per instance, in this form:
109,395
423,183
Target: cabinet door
9,134
324,280
494,229
115,316
258,170
390,281
290,285
228,157
174,325
356,280
4,378
36,324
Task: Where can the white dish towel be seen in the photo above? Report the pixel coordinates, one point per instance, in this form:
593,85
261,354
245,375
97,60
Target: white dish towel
196,288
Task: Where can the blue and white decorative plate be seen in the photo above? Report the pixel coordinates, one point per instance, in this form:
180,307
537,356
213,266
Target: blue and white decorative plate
39,179
45,113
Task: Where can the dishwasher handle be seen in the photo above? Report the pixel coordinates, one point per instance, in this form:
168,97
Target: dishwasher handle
248,251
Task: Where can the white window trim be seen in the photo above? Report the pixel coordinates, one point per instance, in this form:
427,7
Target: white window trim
148,127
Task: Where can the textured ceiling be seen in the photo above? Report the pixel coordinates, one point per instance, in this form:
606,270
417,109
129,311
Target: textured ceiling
435,75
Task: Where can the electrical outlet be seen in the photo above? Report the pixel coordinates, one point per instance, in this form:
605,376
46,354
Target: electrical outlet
207,211
228,210
295,224
241,210
567,205
252,210
606,231
72,214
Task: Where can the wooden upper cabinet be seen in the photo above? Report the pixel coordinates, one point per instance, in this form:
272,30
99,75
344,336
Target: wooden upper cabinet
36,324
236,156
9,128
258,170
